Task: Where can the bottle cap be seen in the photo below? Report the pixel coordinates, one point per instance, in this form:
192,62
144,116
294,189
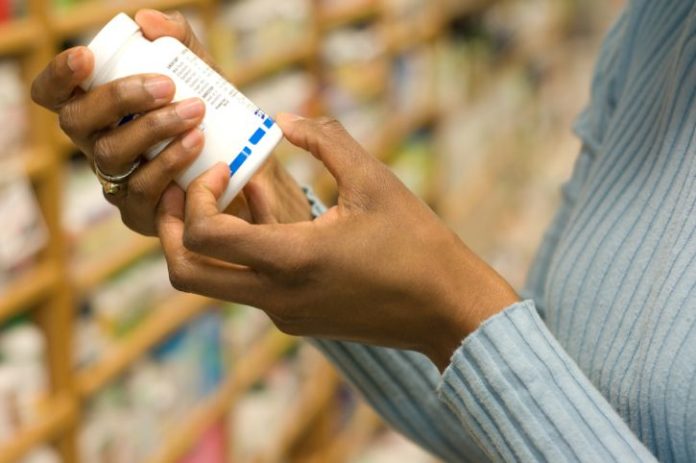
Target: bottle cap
108,42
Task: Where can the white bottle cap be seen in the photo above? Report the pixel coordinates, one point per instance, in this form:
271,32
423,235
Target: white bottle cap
108,42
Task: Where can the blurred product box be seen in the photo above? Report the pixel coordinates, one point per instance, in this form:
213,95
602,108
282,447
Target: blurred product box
13,109
23,377
25,235
43,454
256,419
249,30
132,417
390,447
116,307
12,9
415,163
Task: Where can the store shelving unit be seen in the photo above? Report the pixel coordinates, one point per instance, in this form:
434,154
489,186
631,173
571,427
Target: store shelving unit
52,288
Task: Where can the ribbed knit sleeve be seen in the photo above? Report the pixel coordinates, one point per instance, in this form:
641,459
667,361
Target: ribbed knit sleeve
522,398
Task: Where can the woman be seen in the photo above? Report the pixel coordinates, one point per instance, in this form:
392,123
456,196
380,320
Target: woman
595,363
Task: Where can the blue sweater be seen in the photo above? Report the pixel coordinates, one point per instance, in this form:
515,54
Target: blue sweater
599,362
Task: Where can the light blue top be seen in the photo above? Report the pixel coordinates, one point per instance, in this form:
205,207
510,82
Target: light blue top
599,363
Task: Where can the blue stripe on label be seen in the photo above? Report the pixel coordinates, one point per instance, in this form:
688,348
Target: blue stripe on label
268,123
258,135
237,163
247,150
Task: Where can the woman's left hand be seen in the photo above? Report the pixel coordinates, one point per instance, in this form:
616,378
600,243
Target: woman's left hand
378,268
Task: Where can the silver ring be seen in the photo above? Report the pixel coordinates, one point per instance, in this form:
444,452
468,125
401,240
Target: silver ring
115,179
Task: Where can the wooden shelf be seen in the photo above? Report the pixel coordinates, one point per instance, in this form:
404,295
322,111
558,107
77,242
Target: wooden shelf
89,274
82,17
18,35
35,161
247,372
334,17
57,415
355,436
165,319
27,289
464,8
403,37
400,128
279,59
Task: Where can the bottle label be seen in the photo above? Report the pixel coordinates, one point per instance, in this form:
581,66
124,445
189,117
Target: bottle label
210,86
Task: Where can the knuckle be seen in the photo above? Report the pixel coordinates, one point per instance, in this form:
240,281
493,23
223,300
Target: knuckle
104,150
179,276
170,165
36,94
119,93
177,16
328,123
195,236
67,119
139,190
154,123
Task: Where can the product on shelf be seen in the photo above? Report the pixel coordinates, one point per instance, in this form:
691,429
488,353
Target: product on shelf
413,81
117,306
42,455
289,91
414,163
23,377
407,10
22,237
390,447
85,211
211,447
243,325
251,30
132,417
256,419
13,108
11,9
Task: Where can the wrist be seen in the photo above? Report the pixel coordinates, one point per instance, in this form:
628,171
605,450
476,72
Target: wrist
476,292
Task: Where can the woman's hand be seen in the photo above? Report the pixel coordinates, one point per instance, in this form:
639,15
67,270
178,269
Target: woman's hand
90,119
378,268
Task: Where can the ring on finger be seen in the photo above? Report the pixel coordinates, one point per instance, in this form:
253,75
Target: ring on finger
118,179
113,184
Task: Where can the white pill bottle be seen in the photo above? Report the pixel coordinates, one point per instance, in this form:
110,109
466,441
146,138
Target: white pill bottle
236,131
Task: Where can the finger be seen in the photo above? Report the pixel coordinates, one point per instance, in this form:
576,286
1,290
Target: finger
329,142
147,185
107,104
194,273
156,24
117,150
258,203
56,84
269,248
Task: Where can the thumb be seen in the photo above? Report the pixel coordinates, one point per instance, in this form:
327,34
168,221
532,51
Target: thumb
329,142
156,24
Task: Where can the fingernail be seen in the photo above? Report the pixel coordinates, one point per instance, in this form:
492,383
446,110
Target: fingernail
190,109
76,60
159,87
192,139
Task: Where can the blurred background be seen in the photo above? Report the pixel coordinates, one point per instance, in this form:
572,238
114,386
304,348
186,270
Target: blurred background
470,102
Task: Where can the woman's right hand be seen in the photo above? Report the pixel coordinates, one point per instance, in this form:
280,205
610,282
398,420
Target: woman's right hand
91,120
